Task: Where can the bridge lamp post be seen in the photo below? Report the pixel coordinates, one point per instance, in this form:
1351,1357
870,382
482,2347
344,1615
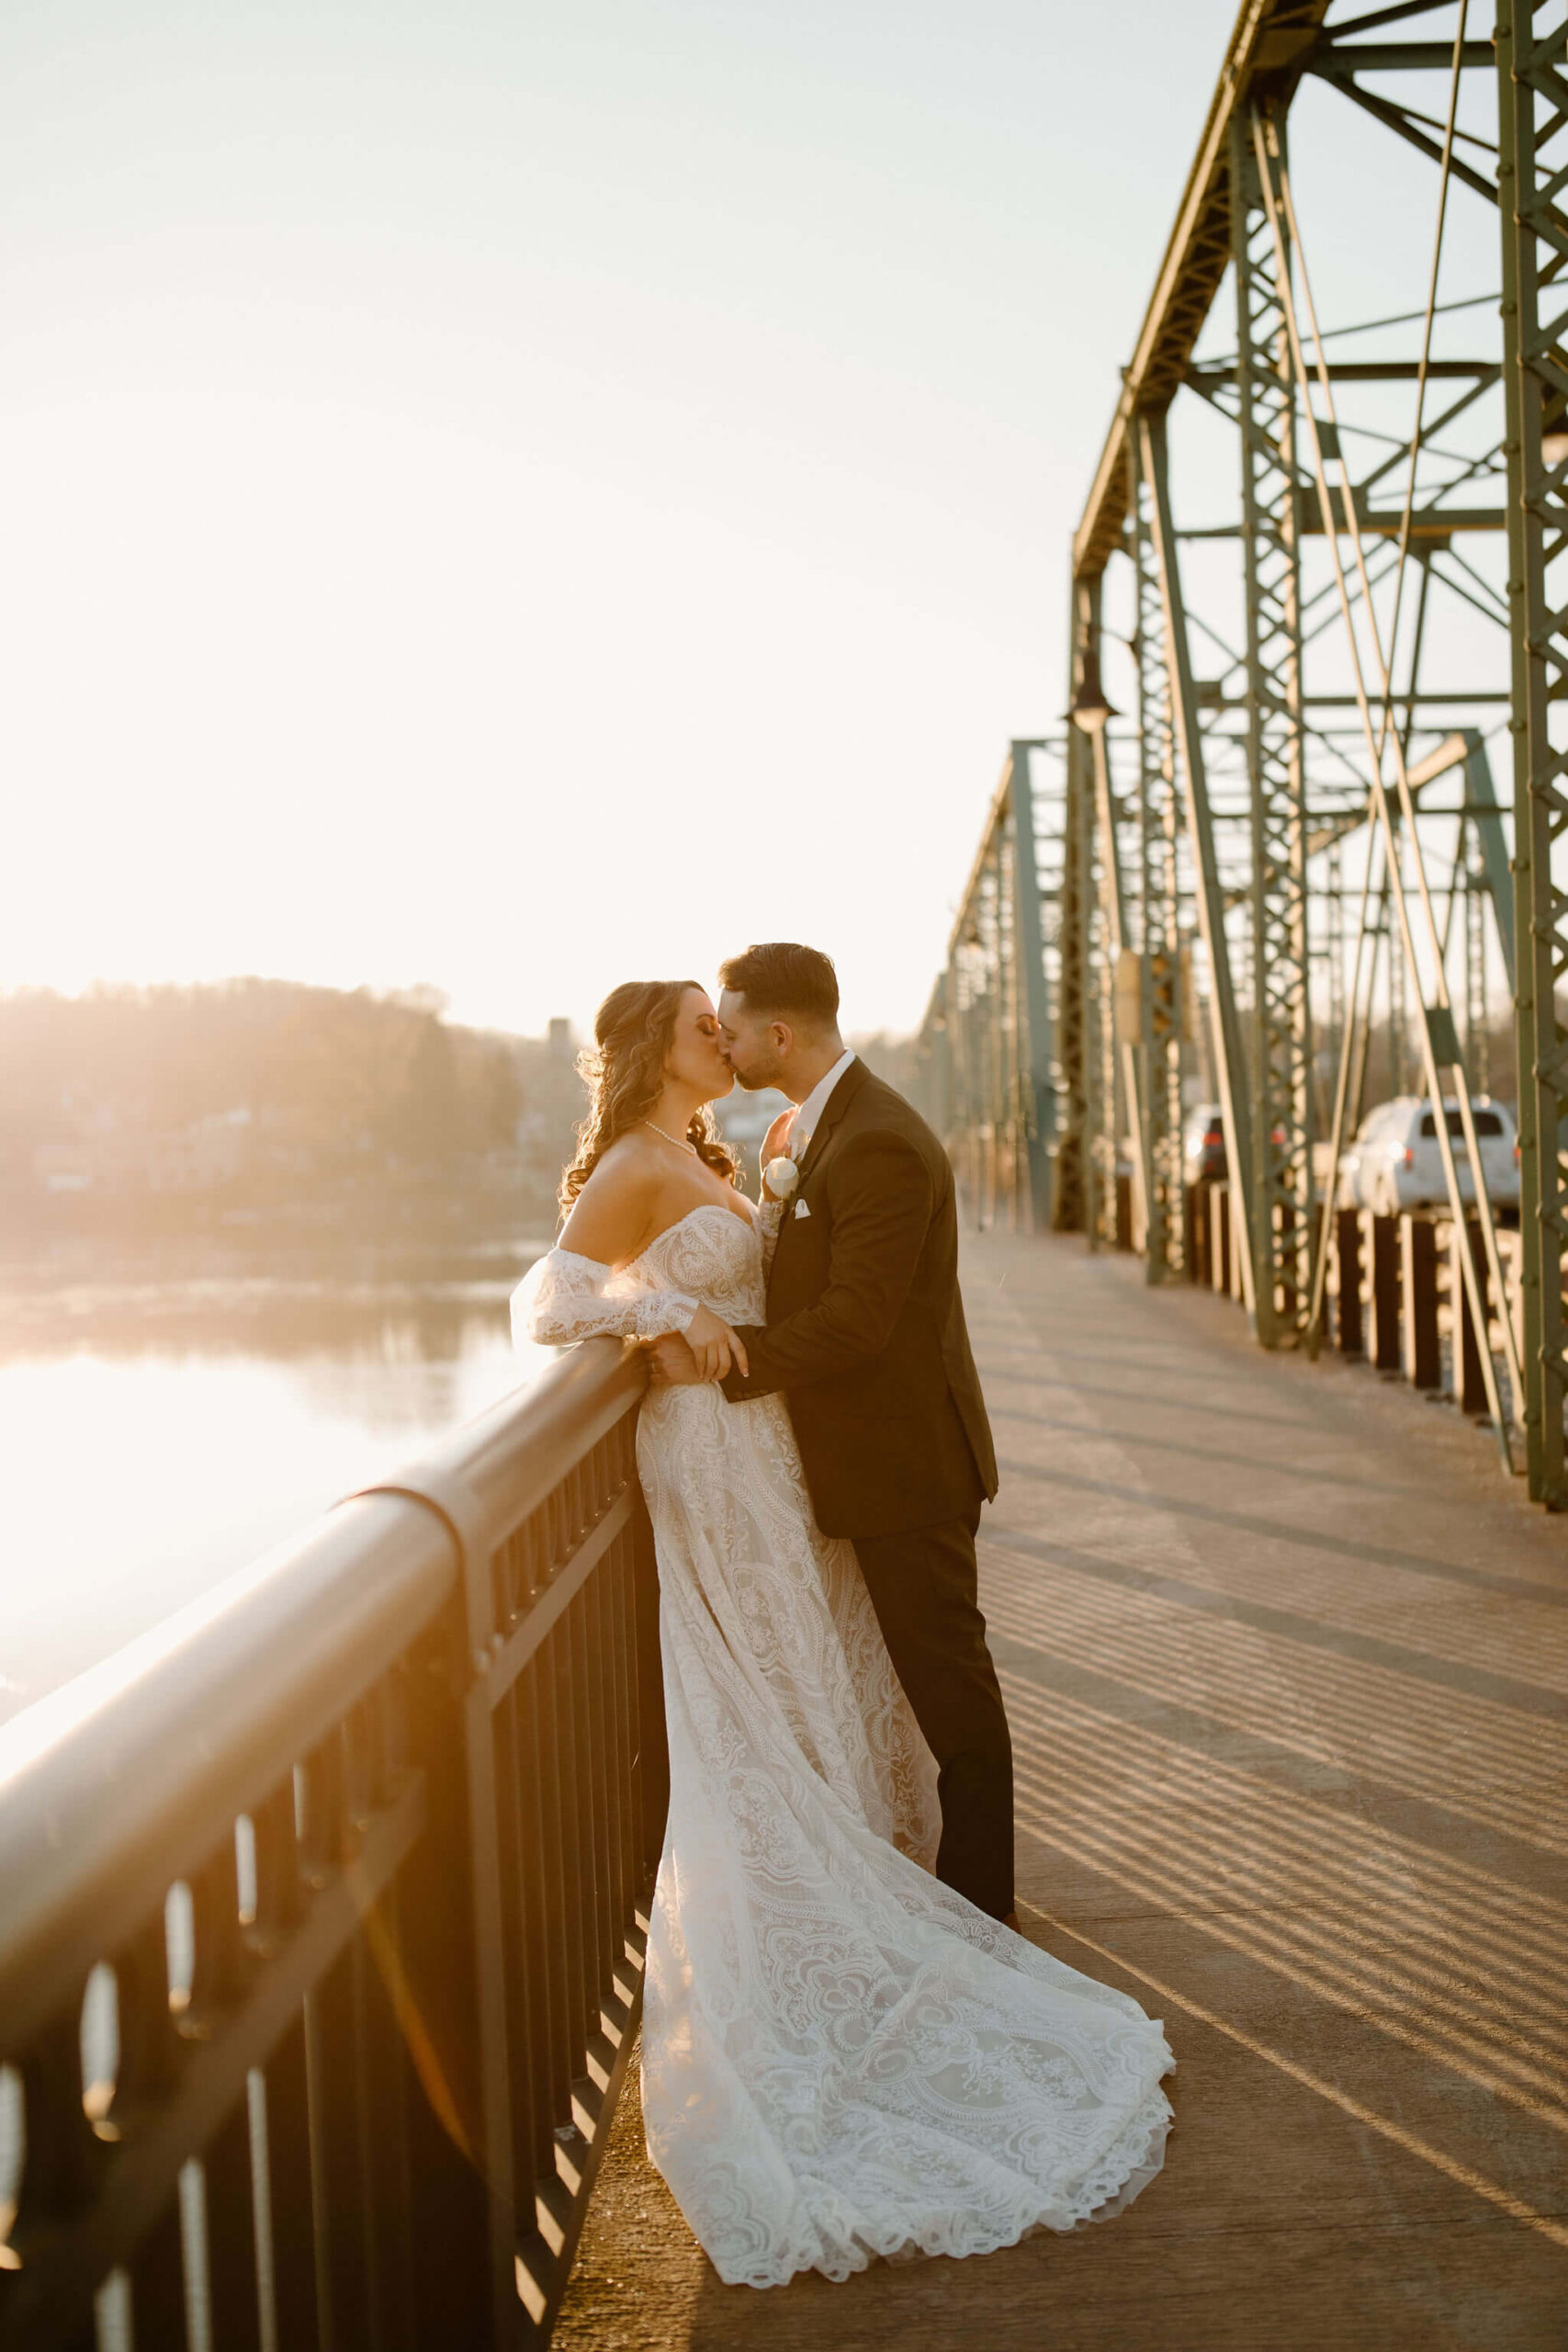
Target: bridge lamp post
1090,710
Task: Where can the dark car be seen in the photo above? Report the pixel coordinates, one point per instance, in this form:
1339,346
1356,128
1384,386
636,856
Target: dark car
1202,1146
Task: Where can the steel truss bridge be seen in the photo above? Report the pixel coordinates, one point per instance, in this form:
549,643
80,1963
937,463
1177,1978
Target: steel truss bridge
1302,827
324,1907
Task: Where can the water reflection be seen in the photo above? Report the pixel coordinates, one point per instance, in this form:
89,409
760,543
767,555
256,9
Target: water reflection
161,1428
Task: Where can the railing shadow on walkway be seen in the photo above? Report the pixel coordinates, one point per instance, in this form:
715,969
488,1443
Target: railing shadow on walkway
322,1916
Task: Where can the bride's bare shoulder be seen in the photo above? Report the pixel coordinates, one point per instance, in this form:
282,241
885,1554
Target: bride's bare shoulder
615,1212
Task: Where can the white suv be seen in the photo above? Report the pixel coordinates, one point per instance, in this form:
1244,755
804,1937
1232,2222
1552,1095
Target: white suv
1395,1163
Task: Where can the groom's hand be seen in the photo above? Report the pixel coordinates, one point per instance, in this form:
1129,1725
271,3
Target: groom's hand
777,1135
670,1363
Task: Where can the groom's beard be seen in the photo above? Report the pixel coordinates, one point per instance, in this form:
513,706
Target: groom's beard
755,1080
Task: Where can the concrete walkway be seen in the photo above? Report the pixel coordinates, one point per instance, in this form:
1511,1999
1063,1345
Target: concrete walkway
1287,1667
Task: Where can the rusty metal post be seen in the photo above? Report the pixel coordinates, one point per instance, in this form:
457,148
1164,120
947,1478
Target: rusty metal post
1380,1236
1470,1388
1420,1356
1347,1331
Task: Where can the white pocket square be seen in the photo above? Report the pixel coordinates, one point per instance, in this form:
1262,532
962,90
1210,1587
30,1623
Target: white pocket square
801,1209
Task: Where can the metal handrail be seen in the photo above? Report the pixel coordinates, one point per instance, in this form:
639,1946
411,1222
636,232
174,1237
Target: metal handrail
436,1714
137,1765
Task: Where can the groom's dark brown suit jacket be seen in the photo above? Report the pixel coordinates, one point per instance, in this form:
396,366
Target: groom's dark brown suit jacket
865,1326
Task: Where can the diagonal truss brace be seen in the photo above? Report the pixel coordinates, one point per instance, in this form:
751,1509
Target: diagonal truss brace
1226,1036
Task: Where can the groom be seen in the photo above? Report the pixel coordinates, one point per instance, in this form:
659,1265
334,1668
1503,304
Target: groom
865,1335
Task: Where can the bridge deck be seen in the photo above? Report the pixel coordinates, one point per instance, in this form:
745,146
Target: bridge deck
1287,1667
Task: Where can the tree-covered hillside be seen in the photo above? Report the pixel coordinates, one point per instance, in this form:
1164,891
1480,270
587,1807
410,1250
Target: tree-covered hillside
259,1092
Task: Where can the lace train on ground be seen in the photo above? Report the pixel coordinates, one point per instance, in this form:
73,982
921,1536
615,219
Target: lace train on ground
841,2057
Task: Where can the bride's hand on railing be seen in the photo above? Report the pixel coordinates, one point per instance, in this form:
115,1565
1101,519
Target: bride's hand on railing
714,1347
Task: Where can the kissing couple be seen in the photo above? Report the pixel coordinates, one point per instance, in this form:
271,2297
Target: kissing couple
848,2050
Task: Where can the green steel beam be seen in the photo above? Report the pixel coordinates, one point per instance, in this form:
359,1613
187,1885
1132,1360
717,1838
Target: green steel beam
1281,1061
1069,1197
1398,119
1099,1083
1121,1095
1271,40
1229,1072
1034,1048
986,1048
1532,104
1484,812
1161,1019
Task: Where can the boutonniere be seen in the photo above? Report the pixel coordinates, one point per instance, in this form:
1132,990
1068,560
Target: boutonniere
780,1176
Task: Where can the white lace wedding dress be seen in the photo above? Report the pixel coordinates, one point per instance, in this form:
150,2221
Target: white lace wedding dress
842,2058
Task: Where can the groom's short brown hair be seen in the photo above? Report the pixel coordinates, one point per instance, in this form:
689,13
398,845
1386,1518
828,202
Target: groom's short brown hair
784,980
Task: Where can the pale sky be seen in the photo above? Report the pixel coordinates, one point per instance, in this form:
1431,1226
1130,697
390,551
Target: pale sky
526,496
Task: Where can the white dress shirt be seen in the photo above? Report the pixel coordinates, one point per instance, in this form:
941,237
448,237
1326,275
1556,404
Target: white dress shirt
802,1126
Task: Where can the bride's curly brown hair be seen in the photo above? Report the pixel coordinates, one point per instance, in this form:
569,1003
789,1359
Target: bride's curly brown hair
624,1072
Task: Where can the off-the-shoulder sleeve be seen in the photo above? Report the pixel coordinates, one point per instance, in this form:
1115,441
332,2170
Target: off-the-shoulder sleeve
563,1297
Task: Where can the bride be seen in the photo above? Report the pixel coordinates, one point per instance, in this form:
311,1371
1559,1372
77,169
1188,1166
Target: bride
843,2057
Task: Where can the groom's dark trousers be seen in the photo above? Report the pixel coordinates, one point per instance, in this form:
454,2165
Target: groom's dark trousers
865,1335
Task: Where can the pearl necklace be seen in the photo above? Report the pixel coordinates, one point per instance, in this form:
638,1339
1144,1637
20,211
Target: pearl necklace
678,1142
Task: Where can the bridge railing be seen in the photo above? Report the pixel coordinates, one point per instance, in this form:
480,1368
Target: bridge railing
322,1909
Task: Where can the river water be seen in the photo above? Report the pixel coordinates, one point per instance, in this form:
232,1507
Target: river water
161,1428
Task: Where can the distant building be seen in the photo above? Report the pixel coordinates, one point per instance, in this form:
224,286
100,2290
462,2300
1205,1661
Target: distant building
64,1167
744,1120
561,1040
210,1152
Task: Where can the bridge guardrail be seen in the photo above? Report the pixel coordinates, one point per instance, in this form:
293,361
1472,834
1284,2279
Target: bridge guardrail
1394,1295
322,1909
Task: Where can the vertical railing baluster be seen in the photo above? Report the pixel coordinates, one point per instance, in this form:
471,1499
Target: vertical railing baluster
230,2237
553,1821
220,1970
319,1800
391,2218
606,1586
280,1895
150,2053
590,1764
342,2283
625,1676
449,2243
569,1780
603,1666
148,2067
626,1591
337,2167
653,1761
158,2285
538,1926
291,2193
63,2158
520,1992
